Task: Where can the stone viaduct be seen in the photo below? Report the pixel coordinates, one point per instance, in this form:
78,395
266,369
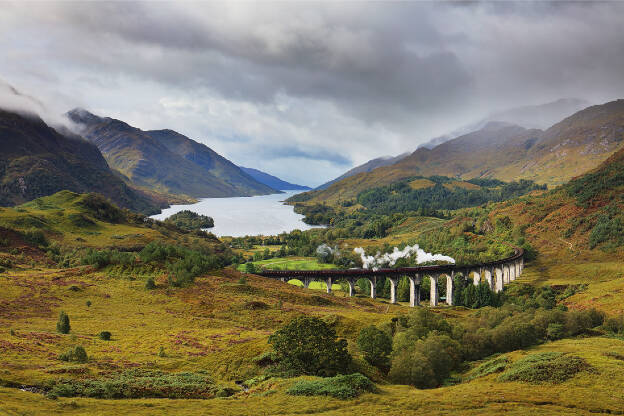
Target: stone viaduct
496,273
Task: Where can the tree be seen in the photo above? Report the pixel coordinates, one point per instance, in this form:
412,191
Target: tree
250,267
308,345
376,346
413,368
62,325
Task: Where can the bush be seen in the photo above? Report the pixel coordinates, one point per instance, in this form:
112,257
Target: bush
376,346
250,267
150,284
412,367
547,367
308,345
35,237
555,331
495,365
78,355
340,387
141,384
105,335
62,325
614,325
580,322
512,335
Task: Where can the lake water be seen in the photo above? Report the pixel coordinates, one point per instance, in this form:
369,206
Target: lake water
237,217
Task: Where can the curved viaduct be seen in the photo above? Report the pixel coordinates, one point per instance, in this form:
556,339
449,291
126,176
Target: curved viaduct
496,273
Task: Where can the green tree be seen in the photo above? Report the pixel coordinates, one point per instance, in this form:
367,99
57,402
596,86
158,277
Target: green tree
376,346
62,325
250,267
413,368
308,345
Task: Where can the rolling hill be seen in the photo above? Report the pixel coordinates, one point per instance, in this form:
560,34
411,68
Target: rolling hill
273,181
37,160
164,160
507,152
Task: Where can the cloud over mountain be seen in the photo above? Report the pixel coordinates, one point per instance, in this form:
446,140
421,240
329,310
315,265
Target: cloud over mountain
317,86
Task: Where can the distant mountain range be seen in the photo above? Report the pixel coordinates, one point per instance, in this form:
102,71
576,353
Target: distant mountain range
505,151
165,161
273,181
37,160
531,116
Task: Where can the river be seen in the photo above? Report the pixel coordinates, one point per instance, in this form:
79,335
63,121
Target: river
237,217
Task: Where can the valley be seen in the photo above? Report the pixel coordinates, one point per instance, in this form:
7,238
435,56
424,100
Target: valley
319,208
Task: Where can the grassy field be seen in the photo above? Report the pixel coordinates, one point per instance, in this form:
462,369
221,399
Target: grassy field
221,323
296,263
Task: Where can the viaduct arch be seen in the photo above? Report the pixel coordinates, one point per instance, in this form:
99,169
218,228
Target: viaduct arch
496,274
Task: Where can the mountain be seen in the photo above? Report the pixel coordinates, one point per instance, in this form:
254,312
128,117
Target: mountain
531,116
505,151
273,181
366,167
37,160
584,214
164,160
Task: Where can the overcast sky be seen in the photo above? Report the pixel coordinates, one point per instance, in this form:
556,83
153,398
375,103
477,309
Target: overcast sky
307,90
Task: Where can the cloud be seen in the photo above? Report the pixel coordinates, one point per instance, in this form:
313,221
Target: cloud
310,87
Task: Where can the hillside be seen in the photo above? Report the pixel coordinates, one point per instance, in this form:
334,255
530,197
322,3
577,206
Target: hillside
273,181
165,161
365,167
506,152
37,160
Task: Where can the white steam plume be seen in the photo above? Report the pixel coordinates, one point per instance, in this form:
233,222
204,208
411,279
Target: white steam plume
389,259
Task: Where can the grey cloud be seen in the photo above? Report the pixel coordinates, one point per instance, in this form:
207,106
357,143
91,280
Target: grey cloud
292,78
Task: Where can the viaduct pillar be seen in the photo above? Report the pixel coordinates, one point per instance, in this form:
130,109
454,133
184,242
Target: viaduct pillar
449,289
433,296
414,290
393,288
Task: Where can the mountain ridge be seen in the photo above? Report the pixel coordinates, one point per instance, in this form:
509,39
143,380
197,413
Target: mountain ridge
273,181
567,149
165,160
37,160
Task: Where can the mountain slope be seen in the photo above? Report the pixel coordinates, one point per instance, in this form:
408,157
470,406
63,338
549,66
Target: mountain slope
539,116
37,160
272,181
506,152
165,161
211,161
366,167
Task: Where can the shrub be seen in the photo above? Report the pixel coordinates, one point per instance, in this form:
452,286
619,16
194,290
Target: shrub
614,325
340,387
512,335
250,267
141,384
308,345
442,352
376,346
580,322
77,354
35,237
495,365
150,284
555,331
412,367
88,303
547,367
105,335
62,325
